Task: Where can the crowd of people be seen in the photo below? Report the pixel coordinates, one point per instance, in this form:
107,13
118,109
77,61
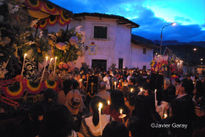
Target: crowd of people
116,103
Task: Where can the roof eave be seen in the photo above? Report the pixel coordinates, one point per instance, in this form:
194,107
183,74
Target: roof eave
120,20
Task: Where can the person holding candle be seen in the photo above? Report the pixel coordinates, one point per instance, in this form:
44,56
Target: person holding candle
168,92
93,125
130,100
117,103
183,110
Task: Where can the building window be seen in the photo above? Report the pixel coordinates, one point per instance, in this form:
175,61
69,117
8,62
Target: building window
144,50
100,32
120,63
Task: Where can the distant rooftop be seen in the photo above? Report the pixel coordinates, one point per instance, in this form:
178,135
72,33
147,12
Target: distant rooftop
120,19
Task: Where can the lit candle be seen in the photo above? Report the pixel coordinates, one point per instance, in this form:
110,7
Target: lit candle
165,115
55,65
115,83
51,60
121,111
100,105
122,116
24,59
44,68
141,89
131,90
155,97
49,64
108,102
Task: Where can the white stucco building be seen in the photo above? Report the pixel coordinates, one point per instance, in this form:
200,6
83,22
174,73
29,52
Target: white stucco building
142,52
108,38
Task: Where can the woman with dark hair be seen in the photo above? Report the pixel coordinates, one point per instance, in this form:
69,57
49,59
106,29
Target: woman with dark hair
67,86
115,129
130,100
183,110
117,103
93,125
58,122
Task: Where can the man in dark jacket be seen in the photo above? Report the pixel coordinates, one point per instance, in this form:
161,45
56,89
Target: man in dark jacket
190,85
183,111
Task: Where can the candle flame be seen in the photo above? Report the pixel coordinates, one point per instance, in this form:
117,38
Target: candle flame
46,58
141,89
100,105
121,111
51,60
131,90
56,58
108,102
25,55
165,115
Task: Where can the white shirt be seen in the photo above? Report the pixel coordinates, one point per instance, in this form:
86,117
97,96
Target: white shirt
107,81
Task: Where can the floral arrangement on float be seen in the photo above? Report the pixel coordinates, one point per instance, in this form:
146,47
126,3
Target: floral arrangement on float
34,87
51,84
159,63
29,55
164,63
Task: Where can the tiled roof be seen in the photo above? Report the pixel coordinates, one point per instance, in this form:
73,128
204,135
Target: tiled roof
121,20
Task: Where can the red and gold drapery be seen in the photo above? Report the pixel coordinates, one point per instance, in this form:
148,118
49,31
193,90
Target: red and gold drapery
47,13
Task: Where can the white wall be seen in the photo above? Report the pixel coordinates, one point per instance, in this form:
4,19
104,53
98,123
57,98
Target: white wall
55,28
116,46
138,58
123,45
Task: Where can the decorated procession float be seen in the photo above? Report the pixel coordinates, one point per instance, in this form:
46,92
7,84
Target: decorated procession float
31,59
168,65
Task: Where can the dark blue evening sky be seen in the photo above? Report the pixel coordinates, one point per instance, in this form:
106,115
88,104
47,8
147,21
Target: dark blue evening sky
151,15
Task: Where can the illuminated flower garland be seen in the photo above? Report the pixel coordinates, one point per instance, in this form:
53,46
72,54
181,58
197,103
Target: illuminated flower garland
52,20
33,88
61,16
64,17
50,8
14,91
43,24
61,21
51,84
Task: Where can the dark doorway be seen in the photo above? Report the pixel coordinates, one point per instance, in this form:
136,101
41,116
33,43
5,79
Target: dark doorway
144,68
120,63
99,64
